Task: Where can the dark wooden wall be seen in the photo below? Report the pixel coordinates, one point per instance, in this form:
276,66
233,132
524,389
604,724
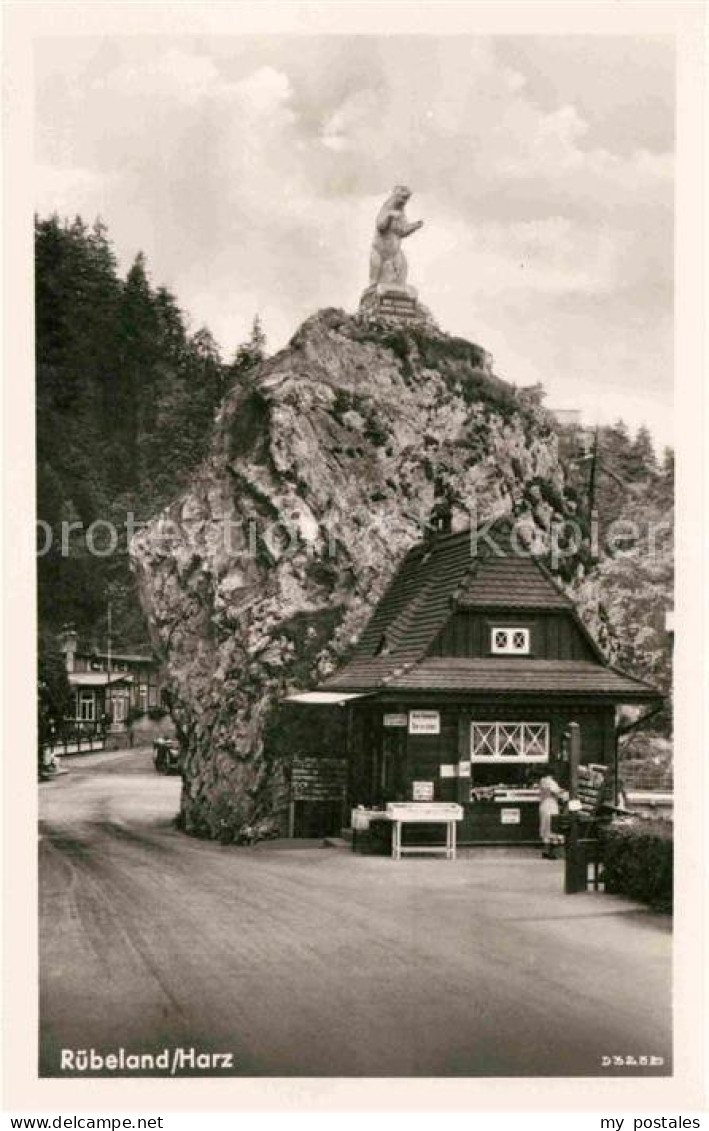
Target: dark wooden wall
424,754
553,636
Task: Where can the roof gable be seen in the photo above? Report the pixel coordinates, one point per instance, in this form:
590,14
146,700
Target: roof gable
461,570
469,570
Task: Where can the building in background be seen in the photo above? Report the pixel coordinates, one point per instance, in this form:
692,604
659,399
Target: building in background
567,417
113,684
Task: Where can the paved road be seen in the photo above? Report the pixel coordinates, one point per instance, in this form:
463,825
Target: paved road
303,960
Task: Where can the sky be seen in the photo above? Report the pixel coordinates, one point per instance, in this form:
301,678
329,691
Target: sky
249,171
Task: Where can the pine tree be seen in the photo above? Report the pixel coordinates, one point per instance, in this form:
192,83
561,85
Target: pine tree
53,690
137,352
642,454
209,366
249,354
101,248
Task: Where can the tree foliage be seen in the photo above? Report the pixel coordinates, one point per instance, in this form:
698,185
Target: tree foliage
248,355
626,585
126,398
53,691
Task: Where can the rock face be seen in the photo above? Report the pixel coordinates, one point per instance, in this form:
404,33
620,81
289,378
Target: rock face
323,472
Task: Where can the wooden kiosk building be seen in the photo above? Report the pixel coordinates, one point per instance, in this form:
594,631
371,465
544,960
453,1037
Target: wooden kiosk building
464,682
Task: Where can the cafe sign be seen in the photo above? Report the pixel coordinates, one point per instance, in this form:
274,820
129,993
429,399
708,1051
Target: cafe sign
422,791
509,816
424,722
396,720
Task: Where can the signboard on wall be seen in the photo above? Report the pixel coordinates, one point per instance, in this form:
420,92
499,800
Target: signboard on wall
509,816
396,720
424,722
423,791
591,785
318,779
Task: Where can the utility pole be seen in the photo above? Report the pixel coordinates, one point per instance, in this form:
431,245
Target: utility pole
597,466
574,855
108,650
109,697
592,478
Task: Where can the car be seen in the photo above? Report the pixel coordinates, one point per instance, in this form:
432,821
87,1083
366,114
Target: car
166,756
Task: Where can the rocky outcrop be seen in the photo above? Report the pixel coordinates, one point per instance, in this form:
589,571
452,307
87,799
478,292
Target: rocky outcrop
324,470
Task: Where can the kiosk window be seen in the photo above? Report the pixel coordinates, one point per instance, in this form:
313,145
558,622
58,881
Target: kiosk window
510,641
506,742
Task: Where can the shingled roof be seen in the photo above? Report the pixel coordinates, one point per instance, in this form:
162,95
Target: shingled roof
466,570
509,582
417,604
511,677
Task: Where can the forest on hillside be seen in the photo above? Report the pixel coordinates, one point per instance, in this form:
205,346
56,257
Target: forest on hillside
126,396
625,588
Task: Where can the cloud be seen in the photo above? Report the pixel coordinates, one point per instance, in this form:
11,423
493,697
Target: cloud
69,190
264,92
178,76
340,128
250,174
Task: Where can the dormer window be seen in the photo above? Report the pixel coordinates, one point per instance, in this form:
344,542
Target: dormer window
510,641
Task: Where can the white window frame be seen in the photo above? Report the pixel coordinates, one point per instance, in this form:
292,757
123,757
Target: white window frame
507,647
87,699
493,739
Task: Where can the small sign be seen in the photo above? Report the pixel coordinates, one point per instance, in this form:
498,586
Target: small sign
318,779
424,722
423,791
590,786
449,771
396,720
509,816
464,769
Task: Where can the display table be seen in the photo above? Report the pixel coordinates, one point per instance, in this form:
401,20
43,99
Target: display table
402,813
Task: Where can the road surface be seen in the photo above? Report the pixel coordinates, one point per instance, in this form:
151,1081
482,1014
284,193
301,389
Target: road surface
294,959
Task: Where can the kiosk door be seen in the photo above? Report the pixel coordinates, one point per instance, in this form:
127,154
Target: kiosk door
392,782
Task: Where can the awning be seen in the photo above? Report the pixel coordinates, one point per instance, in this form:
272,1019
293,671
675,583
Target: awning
97,679
325,698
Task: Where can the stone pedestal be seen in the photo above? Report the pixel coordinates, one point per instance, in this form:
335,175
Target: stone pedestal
397,305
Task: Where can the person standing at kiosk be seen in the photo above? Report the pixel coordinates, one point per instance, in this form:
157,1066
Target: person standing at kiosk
550,794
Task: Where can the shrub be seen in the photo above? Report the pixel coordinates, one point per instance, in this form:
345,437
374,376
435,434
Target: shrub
375,433
344,402
638,861
643,745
